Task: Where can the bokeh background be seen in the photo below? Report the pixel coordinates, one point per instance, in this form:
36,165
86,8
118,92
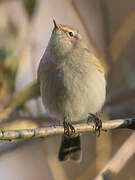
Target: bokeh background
108,27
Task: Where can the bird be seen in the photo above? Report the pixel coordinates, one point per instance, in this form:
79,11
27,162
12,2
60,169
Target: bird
72,85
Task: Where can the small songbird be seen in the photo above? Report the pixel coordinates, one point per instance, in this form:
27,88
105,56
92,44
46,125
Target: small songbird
72,84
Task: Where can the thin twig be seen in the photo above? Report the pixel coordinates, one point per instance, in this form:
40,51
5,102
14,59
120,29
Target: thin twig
115,165
56,130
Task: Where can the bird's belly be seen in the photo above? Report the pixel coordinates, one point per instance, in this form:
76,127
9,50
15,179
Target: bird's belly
74,98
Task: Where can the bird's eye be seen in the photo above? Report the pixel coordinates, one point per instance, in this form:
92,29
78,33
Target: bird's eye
71,34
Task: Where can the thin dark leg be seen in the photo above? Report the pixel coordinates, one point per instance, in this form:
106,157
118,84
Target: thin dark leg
69,129
97,121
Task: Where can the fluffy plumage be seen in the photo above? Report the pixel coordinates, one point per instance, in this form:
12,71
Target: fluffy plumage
72,80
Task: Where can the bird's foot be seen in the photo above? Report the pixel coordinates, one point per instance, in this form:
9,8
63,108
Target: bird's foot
97,121
69,129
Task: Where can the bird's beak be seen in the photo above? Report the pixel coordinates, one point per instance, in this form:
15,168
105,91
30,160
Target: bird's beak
55,25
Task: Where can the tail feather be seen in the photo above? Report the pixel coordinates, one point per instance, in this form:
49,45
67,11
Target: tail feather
70,148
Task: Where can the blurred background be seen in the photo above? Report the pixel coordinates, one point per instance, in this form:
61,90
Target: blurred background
108,27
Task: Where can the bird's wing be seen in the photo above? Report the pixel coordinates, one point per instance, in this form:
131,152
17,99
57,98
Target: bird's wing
95,61
98,65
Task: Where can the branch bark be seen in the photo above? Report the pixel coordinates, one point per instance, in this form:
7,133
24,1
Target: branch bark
57,130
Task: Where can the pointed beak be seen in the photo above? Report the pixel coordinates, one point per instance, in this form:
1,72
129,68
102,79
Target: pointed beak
55,25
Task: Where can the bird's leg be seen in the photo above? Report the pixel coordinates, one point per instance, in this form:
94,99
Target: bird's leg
97,121
69,129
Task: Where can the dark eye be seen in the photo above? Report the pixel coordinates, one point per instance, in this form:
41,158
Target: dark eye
71,34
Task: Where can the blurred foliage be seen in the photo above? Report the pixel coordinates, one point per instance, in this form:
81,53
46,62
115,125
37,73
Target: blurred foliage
9,36
19,124
18,101
10,48
30,92
8,69
30,6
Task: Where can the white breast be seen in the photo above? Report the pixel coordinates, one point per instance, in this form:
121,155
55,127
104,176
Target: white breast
72,93
70,87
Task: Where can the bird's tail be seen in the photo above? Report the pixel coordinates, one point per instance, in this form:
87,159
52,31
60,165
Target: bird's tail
70,148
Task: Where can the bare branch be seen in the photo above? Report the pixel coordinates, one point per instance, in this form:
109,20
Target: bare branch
56,130
115,165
